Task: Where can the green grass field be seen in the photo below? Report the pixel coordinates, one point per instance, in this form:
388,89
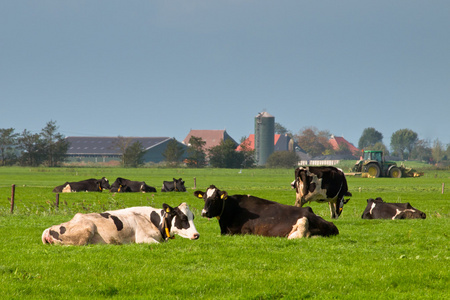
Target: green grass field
369,259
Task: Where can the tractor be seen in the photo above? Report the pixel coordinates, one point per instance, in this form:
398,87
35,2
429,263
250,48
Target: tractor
374,165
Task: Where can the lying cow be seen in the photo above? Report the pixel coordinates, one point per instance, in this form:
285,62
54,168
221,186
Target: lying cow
88,185
378,209
123,185
177,185
130,225
321,184
245,214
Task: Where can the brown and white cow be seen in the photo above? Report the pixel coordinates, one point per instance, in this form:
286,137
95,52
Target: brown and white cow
245,214
321,184
142,224
378,209
88,185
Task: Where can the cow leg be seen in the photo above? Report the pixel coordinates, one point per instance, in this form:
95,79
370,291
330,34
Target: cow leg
333,210
67,189
147,233
300,229
70,233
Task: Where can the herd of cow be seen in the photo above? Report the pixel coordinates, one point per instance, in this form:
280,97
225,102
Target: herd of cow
120,185
237,214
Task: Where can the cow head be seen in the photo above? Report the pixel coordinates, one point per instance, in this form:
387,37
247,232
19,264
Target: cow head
303,183
178,185
104,183
214,201
180,221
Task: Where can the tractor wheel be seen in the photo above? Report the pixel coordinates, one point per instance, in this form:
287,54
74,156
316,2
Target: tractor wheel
373,170
395,172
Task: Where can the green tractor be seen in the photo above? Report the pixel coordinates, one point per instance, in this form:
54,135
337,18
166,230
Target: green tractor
374,165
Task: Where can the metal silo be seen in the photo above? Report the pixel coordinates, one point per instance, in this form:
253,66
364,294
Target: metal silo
264,135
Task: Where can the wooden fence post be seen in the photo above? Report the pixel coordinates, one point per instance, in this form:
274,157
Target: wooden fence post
13,191
443,186
195,182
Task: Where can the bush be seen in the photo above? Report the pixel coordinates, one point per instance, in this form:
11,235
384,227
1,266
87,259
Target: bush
282,159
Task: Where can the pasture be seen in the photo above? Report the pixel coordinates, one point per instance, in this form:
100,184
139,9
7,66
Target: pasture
369,259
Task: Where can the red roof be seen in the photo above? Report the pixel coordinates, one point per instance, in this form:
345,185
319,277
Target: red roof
335,141
250,142
211,137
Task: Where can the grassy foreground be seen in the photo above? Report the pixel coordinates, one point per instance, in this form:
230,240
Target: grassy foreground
369,259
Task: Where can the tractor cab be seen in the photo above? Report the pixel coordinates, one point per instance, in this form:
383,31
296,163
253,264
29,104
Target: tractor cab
374,165
373,155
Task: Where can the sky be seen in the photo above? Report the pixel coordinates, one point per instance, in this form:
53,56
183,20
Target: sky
161,68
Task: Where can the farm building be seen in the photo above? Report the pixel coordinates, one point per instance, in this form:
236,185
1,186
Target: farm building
338,142
282,142
211,137
107,149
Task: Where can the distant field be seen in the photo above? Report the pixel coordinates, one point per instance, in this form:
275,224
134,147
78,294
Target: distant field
369,259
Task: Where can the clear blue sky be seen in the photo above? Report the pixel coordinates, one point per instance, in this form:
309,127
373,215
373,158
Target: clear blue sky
161,68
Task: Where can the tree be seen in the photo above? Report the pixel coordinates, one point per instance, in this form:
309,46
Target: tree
8,139
248,152
380,147
134,155
280,129
224,155
32,148
369,137
421,151
122,145
314,142
196,155
403,140
437,151
55,145
173,153
282,159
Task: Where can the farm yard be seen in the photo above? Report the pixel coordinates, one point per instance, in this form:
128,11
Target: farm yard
376,259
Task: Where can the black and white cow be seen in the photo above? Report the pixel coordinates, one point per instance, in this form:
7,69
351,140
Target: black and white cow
142,224
123,185
88,185
177,185
321,184
245,214
378,209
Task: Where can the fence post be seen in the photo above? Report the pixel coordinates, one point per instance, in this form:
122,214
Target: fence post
57,200
443,186
195,182
13,191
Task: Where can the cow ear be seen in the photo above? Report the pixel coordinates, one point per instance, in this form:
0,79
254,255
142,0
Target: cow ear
346,201
224,195
167,208
199,194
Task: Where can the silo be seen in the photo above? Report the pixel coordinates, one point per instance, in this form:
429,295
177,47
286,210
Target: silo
264,135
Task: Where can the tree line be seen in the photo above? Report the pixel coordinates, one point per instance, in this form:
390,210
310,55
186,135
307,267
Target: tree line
404,144
47,147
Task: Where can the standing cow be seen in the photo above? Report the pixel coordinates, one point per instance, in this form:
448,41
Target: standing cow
142,224
88,185
245,214
378,209
321,184
177,185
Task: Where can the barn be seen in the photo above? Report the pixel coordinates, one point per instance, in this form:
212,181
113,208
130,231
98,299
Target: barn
84,149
